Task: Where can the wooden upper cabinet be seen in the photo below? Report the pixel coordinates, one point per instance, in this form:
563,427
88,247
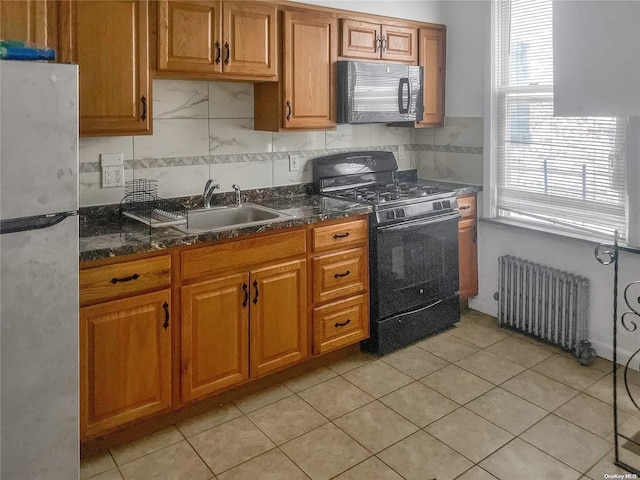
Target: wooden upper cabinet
34,21
209,38
309,64
432,59
278,317
125,360
399,43
249,38
375,41
360,39
215,335
109,40
189,36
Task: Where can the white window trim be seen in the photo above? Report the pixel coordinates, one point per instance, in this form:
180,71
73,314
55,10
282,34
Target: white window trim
489,189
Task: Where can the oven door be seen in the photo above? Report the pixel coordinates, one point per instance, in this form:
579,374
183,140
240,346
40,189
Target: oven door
417,263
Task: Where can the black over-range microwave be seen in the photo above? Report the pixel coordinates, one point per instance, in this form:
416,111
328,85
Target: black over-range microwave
379,92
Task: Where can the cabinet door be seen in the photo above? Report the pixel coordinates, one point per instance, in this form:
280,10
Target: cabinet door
360,39
309,58
468,253
215,337
278,317
109,40
400,43
249,38
33,21
189,36
125,360
432,55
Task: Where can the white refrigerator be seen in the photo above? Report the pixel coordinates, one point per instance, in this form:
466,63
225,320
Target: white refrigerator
38,271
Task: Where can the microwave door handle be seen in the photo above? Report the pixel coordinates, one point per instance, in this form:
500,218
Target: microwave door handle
403,82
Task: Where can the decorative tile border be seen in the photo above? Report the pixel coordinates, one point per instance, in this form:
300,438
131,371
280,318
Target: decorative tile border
91,167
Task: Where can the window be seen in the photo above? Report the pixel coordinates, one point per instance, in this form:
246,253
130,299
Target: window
565,172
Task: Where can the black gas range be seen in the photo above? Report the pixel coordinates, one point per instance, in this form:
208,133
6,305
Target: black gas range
413,246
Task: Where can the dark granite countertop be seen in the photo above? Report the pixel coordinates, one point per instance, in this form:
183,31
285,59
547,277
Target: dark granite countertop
459,188
104,234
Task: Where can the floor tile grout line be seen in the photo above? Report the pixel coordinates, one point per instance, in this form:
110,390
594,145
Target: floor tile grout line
154,451
552,456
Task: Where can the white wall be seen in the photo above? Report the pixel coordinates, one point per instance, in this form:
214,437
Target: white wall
468,53
564,254
420,10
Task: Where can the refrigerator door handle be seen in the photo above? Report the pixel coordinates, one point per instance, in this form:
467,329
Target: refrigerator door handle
24,224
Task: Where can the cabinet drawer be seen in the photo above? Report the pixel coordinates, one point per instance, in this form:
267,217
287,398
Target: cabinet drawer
339,274
121,279
243,253
339,235
340,323
467,206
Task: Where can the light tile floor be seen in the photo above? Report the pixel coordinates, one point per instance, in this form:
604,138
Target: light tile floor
473,403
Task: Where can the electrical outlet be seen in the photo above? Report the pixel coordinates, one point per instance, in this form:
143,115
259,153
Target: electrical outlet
294,163
402,154
112,176
112,170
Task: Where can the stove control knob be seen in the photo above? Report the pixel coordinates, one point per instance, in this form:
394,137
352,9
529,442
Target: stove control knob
391,215
446,204
400,213
437,206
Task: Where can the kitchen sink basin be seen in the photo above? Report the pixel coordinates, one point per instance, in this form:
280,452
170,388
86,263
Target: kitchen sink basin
220,218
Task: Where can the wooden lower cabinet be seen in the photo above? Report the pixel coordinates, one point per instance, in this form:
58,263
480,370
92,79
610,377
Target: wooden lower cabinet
340,323
125,360
468,246
278,317
215,335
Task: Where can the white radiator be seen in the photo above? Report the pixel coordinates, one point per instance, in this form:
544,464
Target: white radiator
543,302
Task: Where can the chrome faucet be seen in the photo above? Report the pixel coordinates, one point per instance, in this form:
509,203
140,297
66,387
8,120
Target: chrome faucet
238,195
209,187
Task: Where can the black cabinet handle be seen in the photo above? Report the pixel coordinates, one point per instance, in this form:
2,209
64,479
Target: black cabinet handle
341,274
344,235
475,234
166,315
115,280
218,53
226,60
255,285
343,324
288,104
246,294
465,207
143,100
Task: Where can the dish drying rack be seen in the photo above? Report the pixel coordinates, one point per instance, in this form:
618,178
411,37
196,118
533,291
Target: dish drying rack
141,202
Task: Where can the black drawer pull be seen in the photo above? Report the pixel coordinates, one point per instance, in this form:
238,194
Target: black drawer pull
218,52
166,315
255,285
143,100
246,294
344,235
466,207
115,280
343,324
341,274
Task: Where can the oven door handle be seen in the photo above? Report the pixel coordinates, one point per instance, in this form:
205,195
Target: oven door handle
420,223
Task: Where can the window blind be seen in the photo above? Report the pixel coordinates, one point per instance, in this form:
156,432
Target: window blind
562,171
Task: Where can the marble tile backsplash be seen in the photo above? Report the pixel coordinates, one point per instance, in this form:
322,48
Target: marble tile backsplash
205,130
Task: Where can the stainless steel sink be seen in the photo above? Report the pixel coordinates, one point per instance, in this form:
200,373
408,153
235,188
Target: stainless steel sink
220,218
